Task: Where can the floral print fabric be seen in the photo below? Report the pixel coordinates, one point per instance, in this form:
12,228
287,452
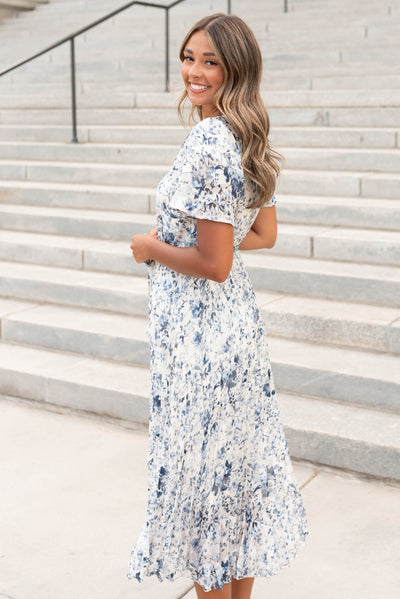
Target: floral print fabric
223,501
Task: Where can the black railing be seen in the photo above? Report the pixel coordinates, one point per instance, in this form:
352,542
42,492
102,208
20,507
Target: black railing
71,39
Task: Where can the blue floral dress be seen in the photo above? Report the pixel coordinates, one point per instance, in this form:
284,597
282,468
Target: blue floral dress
223,501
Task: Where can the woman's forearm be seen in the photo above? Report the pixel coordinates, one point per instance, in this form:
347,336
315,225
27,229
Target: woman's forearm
186,260
263,231
254,241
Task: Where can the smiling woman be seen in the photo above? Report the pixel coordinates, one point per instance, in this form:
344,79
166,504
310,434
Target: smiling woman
201,74
223,502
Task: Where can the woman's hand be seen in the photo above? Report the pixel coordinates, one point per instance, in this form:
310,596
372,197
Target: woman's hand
141,246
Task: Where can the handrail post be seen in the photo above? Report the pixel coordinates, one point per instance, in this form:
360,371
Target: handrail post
166,49
229,7
286,6
73,92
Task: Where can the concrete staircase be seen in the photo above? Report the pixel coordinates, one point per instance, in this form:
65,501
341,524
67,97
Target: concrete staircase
12,8
73,302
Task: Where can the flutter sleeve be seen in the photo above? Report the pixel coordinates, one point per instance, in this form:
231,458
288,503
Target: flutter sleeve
206,182
271,202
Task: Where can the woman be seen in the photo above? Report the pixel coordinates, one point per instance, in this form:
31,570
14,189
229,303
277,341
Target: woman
223,502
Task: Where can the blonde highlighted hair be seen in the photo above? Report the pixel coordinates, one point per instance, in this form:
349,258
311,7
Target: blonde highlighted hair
238,98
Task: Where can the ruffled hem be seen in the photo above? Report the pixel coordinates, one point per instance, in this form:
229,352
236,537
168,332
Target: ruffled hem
216,576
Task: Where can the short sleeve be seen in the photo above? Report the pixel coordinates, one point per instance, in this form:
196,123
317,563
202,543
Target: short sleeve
271,202
205,185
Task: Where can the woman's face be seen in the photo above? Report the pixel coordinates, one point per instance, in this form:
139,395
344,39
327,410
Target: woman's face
201,73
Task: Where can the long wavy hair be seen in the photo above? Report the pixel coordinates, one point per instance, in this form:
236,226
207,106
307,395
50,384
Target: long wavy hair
238,98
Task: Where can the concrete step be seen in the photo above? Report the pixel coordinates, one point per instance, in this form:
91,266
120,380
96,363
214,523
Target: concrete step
123,338
260,20
97,197
359,41
296,99
280,117
146,21
77,172
20,4
313,320
301,80
364,440
331,183
328,279
115,337
353,82
73,252
365,378
324,321
343,436
319,137
340,211
74,381
126,98
120,68
331,137
117,293
315,210
89,152
326,242
320,182
94,45
374,247
342,159
368,58
365,283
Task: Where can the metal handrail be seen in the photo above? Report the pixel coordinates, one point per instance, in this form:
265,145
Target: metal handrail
71,39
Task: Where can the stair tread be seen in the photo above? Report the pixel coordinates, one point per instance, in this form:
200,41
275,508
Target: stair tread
299,264
376,427
83,370
76,165
256,260
66,276
78,213
56,186
78,319
326,309
282,197
368,364
335,232
313,151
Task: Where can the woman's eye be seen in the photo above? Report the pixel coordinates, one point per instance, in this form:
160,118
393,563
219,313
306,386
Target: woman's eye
211,62
187,58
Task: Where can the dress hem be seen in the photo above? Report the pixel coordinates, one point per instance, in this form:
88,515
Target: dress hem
206,586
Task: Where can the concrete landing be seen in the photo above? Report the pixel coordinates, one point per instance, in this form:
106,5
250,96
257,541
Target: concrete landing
72,501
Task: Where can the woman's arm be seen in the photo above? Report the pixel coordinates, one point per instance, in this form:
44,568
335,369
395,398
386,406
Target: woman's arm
210,259
263,232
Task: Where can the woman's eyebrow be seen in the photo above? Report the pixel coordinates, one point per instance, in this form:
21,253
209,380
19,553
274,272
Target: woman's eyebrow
204,53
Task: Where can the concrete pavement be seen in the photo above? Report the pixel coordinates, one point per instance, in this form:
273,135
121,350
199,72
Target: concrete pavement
72,501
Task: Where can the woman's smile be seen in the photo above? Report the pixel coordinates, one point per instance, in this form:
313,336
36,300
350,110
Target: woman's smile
196,88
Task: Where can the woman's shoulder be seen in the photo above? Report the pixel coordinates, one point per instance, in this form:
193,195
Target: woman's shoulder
213,134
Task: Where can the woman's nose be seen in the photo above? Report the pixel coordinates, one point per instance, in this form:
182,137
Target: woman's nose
195,70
